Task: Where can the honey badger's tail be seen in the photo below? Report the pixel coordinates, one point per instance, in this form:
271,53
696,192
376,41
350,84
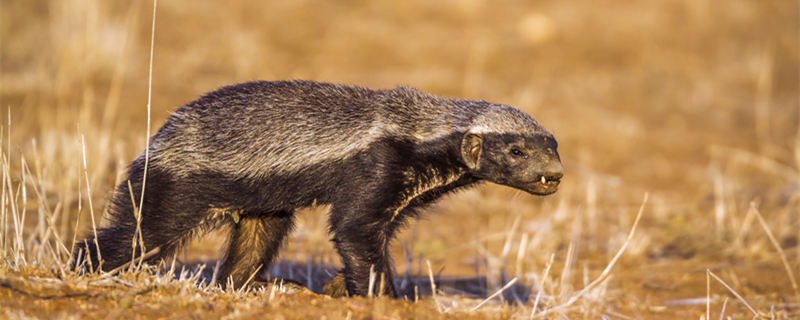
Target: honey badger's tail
113,246
171,210
104,253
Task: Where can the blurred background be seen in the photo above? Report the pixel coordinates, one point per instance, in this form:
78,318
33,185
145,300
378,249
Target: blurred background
696,102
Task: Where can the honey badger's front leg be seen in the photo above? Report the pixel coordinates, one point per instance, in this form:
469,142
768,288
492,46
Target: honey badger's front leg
362,240
362,225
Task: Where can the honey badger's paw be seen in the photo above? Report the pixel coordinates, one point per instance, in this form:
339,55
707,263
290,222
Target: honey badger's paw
336,287
282,285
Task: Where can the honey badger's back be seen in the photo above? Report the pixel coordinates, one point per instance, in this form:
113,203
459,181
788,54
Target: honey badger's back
261,128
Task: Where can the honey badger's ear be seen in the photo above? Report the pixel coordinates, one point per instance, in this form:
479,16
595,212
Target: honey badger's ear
471,146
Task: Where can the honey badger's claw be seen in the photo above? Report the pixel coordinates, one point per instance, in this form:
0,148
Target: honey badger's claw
279,284
336,287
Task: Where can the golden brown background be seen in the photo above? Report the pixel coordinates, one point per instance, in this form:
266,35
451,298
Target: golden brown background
696,102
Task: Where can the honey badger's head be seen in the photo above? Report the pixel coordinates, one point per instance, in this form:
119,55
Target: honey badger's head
506,146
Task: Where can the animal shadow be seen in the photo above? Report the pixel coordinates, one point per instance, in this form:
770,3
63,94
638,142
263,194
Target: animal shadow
314,275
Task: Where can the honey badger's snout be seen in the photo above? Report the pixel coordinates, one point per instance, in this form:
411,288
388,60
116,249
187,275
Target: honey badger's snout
542,178
553,172
549,177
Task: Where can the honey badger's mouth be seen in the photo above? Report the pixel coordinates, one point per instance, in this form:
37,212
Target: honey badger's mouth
544,185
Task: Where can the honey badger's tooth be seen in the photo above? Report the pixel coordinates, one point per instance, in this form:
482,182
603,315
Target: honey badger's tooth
544,180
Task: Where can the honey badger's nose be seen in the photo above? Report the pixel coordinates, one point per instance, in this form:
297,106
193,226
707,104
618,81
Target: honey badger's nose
553,171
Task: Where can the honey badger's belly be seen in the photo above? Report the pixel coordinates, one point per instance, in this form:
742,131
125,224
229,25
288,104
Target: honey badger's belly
273,192
408,186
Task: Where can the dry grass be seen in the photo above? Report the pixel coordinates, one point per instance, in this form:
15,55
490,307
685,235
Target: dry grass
694,102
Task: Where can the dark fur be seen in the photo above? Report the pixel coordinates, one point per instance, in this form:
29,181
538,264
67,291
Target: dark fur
248,155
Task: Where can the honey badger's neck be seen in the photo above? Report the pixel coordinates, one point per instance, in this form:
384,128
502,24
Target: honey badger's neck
424,118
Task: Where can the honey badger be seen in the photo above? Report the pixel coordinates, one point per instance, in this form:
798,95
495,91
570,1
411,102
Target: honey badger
248,155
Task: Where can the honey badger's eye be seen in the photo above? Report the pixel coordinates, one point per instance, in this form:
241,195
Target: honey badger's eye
517,153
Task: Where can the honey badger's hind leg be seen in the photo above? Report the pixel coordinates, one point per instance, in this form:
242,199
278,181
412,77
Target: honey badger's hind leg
172,210
253,244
